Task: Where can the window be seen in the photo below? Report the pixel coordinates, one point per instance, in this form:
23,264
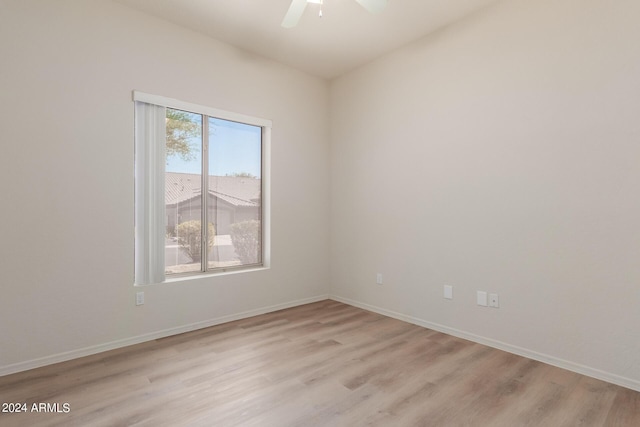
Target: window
197,165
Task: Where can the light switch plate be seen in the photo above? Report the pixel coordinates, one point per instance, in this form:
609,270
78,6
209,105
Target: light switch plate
482,298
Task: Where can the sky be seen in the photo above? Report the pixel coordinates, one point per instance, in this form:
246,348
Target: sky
233,148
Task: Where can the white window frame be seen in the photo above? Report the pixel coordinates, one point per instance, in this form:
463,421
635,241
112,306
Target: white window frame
147,239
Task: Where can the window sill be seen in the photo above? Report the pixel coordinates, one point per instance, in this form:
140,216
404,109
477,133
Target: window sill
197,276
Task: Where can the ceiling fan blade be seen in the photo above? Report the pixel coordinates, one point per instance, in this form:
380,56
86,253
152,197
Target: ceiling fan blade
294,13
373,6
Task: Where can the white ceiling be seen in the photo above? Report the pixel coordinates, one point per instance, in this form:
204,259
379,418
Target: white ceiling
344,38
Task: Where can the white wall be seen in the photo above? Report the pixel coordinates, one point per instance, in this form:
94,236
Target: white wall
66,176
500,154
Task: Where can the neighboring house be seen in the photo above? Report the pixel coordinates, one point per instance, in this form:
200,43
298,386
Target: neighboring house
234,199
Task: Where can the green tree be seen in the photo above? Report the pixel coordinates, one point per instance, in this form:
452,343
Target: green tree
190,238
181,128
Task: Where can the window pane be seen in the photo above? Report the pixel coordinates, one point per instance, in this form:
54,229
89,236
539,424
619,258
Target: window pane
235,193
183,192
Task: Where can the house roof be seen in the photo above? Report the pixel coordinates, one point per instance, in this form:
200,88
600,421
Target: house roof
237,191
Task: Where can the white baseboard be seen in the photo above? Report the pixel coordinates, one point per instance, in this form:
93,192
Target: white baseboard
545,358
87,351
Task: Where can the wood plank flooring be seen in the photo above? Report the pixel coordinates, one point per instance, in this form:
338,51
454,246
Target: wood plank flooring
322,364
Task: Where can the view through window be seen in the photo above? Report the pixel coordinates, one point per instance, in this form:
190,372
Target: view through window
213,176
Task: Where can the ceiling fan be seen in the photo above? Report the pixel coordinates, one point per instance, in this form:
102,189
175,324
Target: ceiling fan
297,9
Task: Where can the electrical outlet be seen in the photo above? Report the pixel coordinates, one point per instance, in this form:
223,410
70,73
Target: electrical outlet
448,292
379,278
139,298
494,301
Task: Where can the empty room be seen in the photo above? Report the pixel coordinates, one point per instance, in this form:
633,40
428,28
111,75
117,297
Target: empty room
320,213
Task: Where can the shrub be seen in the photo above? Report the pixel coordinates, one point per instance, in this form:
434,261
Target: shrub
245,237
190,238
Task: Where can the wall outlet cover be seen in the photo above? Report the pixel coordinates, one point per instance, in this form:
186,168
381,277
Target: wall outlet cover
448,292
494,300
482,298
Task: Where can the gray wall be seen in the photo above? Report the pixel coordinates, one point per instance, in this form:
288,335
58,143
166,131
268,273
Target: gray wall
511,142
66,78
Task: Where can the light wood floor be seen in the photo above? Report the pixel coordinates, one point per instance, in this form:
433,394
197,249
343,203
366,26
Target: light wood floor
322,364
